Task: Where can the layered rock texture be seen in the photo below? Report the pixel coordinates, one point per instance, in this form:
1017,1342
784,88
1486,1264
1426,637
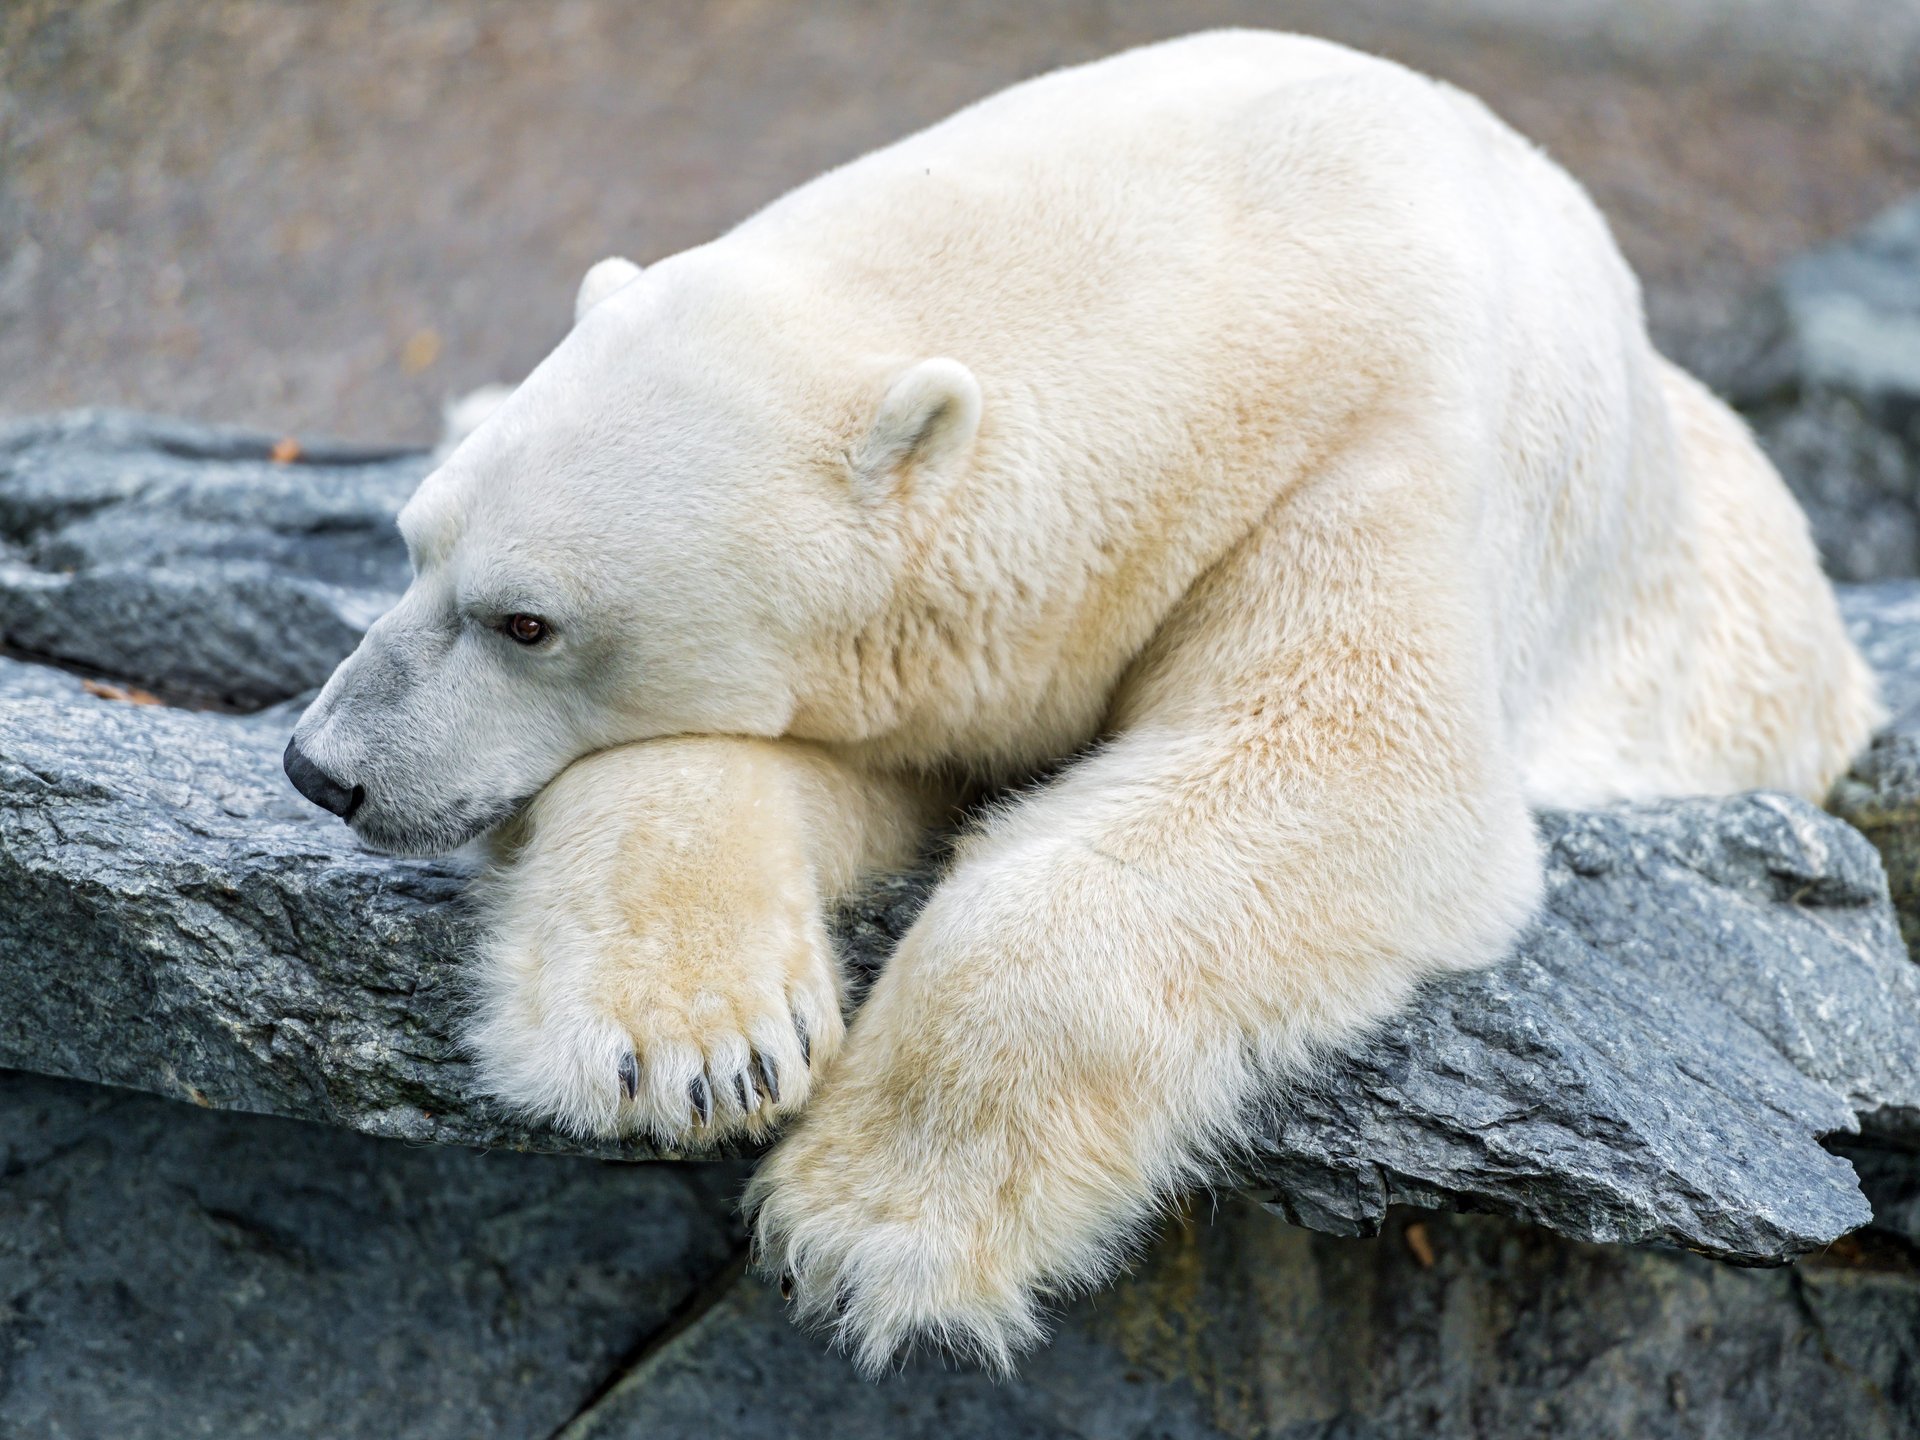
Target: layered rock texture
1704,1043
172,1272
189,558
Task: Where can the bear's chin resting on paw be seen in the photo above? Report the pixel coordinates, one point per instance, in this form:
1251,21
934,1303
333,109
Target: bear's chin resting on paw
1256,439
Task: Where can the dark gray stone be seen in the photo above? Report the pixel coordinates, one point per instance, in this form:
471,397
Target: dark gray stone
1445,1326
179,920
184,559
167,1274
1827,367
1890,1176
1712,985
1880,794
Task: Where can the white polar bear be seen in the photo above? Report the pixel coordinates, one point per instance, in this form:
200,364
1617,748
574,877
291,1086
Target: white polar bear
1259,428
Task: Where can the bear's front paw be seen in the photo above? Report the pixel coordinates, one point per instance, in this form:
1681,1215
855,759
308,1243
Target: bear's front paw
638,980
661,1029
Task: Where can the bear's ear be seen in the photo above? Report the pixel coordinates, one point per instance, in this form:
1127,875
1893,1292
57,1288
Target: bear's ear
929,417
601,281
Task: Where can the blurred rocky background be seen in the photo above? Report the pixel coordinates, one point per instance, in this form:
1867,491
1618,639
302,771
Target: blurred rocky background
326,218
321,220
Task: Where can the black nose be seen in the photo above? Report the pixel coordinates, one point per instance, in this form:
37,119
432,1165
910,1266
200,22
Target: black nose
318,786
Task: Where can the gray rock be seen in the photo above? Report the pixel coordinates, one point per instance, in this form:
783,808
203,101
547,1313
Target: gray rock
1715,985
1444,1328
168,1273
1880,794
1712,985
1852,314
178,920
1884,621
1890,1176
185,559
1827,367
1857,482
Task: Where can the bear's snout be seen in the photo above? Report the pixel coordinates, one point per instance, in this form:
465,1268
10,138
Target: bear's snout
318,786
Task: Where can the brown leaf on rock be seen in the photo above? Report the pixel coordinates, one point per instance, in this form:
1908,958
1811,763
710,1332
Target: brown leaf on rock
1419,1244
125,694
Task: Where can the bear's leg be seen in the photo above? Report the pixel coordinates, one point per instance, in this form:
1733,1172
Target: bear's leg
1306,807
656,956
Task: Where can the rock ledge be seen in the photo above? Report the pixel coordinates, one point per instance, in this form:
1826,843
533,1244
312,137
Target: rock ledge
1714,987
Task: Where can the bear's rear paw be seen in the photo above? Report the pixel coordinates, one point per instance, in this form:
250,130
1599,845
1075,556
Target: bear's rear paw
884,1268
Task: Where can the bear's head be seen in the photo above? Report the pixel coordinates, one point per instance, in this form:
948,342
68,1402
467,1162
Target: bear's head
665,530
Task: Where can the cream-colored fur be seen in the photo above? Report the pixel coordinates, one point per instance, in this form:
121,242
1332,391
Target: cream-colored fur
1260,429
662,907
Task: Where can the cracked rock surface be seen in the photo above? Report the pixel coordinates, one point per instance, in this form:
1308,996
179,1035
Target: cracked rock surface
186,558
1451,1327
1714,986
168,1272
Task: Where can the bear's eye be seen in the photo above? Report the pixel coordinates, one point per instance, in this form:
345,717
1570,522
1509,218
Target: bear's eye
525,629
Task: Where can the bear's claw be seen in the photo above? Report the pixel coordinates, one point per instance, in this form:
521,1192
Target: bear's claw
701,1094
747,1081
755,1086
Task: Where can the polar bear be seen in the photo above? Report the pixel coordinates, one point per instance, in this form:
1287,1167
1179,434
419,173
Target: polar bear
1245,453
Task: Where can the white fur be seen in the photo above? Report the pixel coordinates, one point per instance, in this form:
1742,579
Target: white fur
464,414
611,274
1263,424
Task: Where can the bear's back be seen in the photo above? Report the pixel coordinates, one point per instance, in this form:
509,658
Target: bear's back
1233,209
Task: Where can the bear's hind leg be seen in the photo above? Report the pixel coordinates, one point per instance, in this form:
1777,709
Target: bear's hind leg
1306,809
